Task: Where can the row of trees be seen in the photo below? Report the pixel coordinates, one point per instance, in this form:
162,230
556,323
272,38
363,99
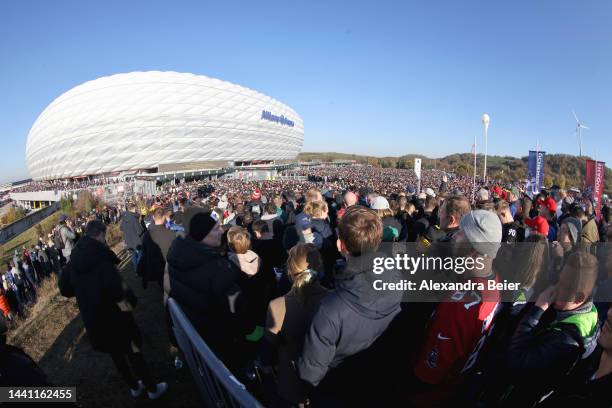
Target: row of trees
561,169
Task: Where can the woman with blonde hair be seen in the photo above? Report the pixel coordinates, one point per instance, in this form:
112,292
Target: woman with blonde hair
289,318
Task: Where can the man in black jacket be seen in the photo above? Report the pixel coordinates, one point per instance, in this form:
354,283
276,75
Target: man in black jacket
106,305
155,245
549,342
354,315
200,280
132,230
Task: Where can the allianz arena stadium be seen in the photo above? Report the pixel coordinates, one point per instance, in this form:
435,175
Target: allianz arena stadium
140,121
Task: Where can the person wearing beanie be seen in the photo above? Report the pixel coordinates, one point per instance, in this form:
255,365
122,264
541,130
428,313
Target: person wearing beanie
391,226
482,195
200,279
255,205
569,233
461,321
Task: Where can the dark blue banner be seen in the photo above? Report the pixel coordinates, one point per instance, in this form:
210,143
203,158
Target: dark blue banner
535,171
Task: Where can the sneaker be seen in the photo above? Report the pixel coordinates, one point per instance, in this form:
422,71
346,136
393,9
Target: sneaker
160,390
178,363
138,391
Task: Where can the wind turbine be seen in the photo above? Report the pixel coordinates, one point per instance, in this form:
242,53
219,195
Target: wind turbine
579,127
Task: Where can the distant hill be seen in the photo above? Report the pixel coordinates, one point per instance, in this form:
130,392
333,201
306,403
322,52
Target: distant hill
561,169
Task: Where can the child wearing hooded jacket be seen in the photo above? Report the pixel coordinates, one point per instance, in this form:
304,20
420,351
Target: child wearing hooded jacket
255,291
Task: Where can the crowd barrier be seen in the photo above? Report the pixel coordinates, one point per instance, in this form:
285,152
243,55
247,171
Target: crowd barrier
217,385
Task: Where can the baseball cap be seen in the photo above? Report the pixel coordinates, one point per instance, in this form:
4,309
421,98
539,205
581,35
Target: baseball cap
550,204
430,192
63,217
538,224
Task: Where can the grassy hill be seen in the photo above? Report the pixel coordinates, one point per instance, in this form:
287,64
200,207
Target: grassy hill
561,169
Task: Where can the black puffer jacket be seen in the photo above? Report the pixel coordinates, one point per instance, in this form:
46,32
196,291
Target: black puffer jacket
200,281
546,347
349,319
104,300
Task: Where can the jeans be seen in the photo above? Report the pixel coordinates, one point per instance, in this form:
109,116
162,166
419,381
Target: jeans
136,255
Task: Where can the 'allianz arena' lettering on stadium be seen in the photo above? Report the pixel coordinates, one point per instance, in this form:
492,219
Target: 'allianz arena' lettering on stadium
140,120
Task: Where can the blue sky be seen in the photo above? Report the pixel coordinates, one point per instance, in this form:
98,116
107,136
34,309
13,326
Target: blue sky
381,78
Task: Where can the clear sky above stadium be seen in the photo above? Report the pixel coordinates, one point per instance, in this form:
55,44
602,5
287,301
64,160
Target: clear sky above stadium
381,78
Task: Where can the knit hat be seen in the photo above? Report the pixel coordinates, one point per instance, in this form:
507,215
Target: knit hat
200,225
538,224
484,231
410,190
379,203
574,226
256,195
185,218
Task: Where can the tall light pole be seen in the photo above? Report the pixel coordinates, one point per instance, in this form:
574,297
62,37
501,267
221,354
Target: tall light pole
485,123
474,181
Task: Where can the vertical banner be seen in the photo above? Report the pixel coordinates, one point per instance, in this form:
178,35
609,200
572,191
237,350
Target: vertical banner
594,183
417,170
535,171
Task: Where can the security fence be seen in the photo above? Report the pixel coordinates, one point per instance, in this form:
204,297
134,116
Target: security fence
217,385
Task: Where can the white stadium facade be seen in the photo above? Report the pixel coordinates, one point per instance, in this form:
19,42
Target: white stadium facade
140,121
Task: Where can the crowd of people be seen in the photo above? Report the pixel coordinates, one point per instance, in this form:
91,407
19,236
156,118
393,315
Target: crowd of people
62,185
30,265
276,277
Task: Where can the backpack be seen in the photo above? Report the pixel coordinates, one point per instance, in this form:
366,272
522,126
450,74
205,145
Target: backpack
64,284
57,239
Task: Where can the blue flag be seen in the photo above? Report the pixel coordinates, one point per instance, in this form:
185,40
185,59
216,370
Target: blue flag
535,171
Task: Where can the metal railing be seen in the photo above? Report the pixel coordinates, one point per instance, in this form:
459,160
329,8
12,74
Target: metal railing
217,385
